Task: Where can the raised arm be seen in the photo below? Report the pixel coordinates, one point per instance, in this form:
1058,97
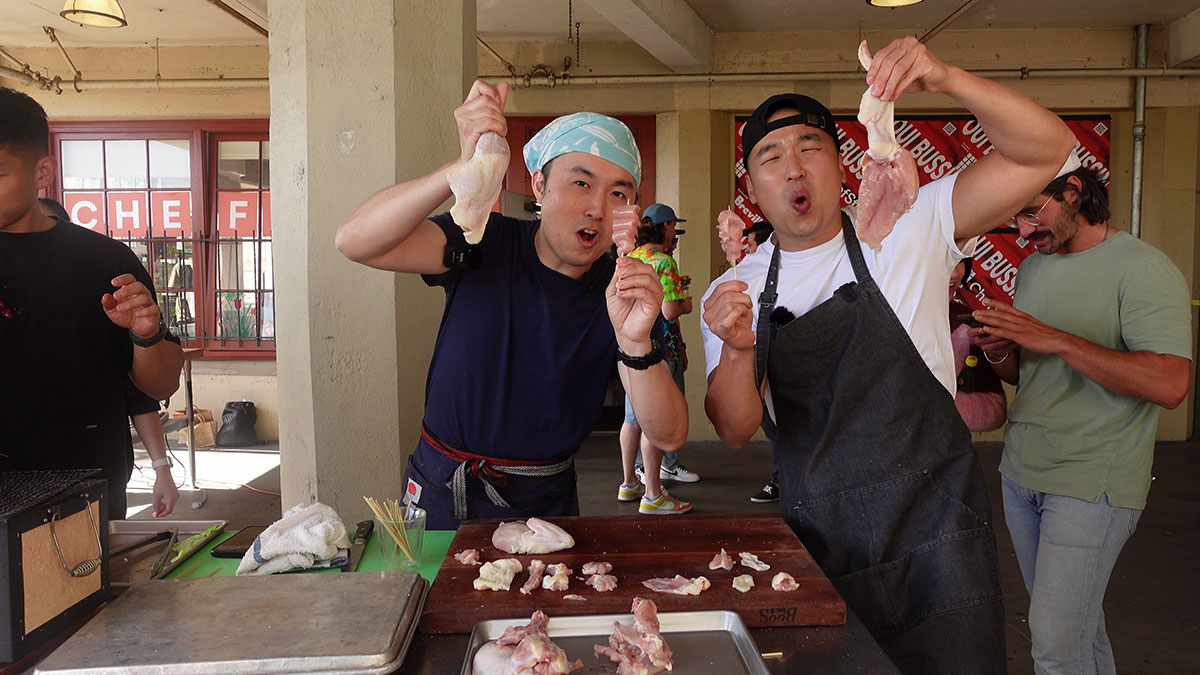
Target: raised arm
634,297
392,230
1031,143
733,402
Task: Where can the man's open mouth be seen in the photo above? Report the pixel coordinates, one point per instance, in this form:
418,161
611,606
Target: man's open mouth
587,237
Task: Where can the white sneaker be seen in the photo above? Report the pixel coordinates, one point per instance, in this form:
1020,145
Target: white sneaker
679,473
640,472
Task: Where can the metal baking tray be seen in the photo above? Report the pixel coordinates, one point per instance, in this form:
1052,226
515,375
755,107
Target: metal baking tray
133,566
285,623
714,641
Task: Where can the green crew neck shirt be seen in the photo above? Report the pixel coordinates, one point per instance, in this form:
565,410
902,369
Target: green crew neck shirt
1068,435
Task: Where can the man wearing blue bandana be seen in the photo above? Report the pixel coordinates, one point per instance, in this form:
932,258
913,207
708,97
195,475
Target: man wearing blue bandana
536,316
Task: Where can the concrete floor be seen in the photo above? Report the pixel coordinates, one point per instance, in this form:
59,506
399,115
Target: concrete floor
1152,607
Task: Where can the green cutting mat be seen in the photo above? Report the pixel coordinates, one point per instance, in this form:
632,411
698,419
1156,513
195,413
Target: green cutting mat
202,564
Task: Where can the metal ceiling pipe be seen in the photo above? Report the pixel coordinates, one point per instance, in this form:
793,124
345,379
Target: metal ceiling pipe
178,83
841,75
1139,133
954,16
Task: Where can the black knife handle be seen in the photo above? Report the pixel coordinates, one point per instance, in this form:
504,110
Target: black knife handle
363,531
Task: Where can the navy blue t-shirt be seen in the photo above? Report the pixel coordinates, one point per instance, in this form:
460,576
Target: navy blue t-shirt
524,353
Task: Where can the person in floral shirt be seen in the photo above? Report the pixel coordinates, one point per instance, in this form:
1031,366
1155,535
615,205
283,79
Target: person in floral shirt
655,241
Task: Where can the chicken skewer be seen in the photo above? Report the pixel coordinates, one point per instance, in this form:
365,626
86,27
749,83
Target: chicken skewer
730,230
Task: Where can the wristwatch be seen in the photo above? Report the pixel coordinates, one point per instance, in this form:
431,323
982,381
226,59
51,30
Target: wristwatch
165,461
153,339
642,362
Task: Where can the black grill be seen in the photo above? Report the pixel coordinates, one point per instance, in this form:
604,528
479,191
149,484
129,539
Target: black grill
20,490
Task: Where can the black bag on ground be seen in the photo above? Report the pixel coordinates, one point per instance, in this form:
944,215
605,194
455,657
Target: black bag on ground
237,425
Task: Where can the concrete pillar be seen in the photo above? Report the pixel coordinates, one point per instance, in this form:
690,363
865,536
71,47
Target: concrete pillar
694,155
361,98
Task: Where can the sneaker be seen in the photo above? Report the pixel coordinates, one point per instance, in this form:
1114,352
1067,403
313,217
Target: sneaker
640,472
679,473
663,505
769,493
629,492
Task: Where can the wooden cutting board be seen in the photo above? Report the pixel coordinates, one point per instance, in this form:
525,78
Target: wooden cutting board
640,548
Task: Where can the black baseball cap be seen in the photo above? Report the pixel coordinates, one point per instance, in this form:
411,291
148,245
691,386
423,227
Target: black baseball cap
808,111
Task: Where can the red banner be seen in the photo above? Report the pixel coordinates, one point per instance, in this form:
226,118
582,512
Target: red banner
237,214
940,147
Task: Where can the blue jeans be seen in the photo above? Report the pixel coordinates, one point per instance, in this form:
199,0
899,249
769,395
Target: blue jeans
1067,548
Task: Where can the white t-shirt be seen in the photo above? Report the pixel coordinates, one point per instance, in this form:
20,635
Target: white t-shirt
912,269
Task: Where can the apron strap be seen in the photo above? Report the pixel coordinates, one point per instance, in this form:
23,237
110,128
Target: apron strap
861,273
766,305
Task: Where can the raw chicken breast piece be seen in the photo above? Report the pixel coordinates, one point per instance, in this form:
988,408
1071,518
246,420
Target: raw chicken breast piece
721,561
890,182
680,585
558,577
602,582
476,184
753,562
784,582
596,568
497,575
743,583
469,556
532,536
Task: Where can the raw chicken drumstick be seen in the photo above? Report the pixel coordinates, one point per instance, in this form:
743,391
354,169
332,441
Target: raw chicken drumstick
476,184
889,183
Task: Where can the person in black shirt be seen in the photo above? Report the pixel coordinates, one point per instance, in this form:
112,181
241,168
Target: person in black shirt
78,316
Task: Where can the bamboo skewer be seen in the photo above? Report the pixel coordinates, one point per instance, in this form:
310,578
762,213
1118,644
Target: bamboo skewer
393,516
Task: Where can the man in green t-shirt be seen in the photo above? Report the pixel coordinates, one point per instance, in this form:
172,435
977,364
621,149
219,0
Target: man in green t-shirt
1099,339
655,241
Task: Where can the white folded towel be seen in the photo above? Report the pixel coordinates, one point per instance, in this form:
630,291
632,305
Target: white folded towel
307,534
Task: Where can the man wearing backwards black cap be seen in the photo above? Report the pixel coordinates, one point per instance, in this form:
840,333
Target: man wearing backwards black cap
878,477
532,324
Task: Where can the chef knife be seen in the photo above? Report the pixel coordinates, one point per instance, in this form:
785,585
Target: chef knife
361,532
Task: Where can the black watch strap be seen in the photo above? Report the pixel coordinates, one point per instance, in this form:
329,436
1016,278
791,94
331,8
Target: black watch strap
153,339
642,362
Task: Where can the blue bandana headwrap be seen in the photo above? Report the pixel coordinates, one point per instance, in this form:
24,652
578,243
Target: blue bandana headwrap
592,133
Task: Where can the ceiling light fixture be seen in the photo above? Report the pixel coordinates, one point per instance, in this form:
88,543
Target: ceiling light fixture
96,13
892,3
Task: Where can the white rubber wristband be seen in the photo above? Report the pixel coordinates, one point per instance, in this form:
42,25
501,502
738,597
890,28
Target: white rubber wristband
165,461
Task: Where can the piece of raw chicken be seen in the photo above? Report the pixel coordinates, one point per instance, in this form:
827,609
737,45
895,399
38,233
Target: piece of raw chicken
889,183
639,649
731,232
784,582
743,583
625,220
532,536
721,561
558,577
469,556
523,649
476,184
497,575
596,568
603,583
680,585
536,569
753,562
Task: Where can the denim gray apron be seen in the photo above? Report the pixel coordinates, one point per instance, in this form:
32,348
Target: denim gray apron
878,478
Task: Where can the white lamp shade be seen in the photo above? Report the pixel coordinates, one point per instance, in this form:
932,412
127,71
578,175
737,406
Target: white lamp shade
892,3
97,13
